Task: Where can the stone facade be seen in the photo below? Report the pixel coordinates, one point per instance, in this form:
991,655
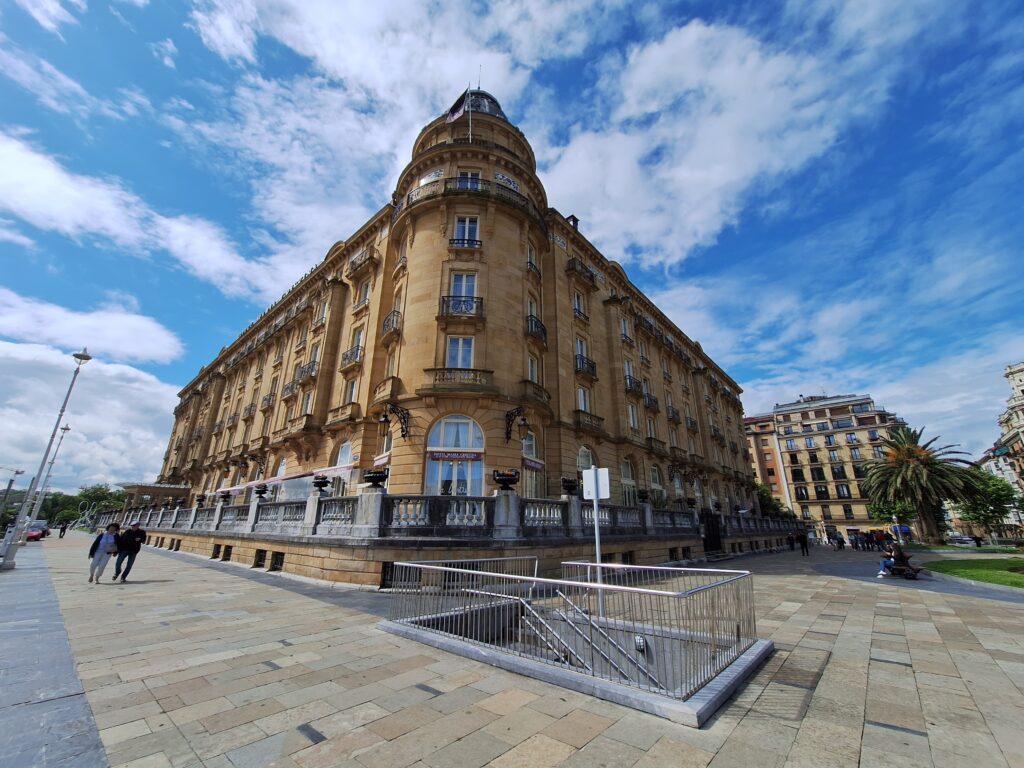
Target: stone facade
810,453
1010,446
488,332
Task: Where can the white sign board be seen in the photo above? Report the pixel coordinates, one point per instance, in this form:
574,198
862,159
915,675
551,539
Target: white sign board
595,484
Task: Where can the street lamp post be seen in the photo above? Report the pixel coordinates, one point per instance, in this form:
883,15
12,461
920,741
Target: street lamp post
46,480
10,484
81,358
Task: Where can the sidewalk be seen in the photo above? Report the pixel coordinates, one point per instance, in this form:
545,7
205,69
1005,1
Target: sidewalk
45,719
218,666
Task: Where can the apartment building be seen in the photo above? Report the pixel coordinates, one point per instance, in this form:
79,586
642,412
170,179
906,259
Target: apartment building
810,452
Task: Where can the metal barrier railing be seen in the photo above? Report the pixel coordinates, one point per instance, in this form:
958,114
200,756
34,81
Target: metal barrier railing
662,640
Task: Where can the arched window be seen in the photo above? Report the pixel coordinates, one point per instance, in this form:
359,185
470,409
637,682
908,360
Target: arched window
628,480
344,455
657,489
455,453
281,467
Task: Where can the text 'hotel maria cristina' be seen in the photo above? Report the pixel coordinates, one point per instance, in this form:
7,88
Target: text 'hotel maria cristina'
466,327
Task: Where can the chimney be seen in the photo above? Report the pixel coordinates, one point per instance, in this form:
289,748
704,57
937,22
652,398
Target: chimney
575,222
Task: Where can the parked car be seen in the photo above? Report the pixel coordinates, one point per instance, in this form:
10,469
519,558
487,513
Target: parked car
34,534
961,541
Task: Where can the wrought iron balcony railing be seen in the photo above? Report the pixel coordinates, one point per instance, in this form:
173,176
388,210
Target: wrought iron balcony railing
462,306
392,323
586,366
465,242
634,385
650,402
536,329
673,414
352,356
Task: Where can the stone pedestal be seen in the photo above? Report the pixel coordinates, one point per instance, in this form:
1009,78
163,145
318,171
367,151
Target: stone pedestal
647,515
507,521
366,520
250,521
192,517
217,511
312,508
575,515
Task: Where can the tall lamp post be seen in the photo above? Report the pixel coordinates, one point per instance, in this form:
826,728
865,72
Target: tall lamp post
10,484
81,358
46,480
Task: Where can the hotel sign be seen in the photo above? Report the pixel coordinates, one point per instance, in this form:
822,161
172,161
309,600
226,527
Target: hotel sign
455,456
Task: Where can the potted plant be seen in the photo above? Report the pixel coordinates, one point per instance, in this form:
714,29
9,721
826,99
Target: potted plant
570,485
376,477
643,495
320,482
260,491
506,479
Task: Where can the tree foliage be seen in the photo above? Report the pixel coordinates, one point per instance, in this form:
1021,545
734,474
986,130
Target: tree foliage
62,506
769,504
920,474
992,501
903,511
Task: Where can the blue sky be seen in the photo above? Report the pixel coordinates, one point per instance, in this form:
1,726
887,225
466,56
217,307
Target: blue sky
825,194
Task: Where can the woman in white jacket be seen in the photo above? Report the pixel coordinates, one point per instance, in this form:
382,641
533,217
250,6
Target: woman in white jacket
103,546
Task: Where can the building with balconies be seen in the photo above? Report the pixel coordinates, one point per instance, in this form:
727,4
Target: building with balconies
1010,445
810,453
466,327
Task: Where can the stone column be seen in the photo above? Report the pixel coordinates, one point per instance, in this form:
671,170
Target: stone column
192,517
366,520
507,520
647,510
250,522
575,515
312,508
216,515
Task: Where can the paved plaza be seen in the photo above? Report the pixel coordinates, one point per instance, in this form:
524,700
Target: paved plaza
200,663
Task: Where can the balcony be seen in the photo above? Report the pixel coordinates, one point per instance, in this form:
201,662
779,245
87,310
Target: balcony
656,445
249,411
359,304
291,389
677,453
645,360
666,375
363,261
634,386
643,324
351,357
307,372
580,315
218,427
586,367
673,414
403,263
387,389
300,344
588,422
691,424
532,270
461,306
343,414
465,244
267,401
651,402
473,187
534,391
582,273
391,327
628,340
463,380
232,420
535,329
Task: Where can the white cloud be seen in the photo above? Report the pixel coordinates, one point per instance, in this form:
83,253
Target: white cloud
51,14
8,234
165,51
115,331
120,417
40,191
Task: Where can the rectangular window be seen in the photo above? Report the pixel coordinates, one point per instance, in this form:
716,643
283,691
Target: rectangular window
821,492
351,389
533,369
830,440
807,428
787,430
838,472
801,493
794,458
817,473
460,352
855,454
767,457
531,254
652,430
673,441
581,346
851,437
463,284
878,452
812,457
469,179
848,511
774,487
307,403
363,293
808,442
357,337
842,423
770,471
314,352
859,472
583,399
791,445
389,365
822,426
805,512
843,491
872,434
466,228
826,512
764,442
578,305
631,416
627,367
798,475
833,455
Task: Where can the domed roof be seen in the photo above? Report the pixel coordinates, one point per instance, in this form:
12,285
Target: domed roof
479,101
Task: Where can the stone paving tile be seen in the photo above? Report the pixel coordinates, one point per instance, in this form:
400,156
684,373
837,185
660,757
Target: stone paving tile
225,665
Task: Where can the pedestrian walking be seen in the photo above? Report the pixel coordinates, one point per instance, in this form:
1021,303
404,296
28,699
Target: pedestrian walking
129,544
802,538
63,530
103,546
791,540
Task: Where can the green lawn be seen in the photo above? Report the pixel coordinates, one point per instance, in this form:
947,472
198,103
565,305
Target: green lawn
994,571
1006,550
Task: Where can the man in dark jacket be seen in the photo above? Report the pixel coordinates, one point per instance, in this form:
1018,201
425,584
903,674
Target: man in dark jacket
129,544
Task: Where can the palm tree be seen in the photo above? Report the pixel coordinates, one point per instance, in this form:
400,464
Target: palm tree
920,474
